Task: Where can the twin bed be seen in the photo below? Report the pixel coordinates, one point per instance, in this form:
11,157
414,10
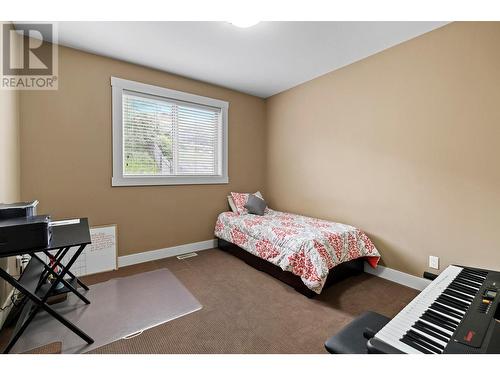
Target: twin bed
306,253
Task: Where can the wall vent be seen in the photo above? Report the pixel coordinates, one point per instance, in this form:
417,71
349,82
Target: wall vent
188,255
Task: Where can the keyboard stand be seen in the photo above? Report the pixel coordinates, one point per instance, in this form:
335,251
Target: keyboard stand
33,281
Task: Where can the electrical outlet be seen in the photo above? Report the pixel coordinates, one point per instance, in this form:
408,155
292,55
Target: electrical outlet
434,262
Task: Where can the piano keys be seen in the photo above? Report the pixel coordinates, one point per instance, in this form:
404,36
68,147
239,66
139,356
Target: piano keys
457,313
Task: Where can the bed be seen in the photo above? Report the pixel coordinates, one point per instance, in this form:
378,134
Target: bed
306,253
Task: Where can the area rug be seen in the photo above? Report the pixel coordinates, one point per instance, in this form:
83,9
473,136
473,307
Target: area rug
119,308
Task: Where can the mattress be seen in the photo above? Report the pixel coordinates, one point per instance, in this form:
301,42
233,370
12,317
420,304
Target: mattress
307,247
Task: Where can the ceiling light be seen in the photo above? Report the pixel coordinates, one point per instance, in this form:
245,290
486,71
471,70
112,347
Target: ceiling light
244,23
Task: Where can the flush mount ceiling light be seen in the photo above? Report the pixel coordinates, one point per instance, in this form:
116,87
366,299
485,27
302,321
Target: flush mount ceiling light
244,23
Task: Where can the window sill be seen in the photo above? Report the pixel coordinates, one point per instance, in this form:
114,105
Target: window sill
159,181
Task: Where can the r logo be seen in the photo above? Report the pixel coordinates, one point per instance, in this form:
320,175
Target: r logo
35,56
29,56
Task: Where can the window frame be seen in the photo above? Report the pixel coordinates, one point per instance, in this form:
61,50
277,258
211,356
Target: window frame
120,85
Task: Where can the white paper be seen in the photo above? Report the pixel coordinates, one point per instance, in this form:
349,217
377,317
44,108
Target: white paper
100,256
64,222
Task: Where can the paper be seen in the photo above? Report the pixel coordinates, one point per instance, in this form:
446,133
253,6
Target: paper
99,256
64,222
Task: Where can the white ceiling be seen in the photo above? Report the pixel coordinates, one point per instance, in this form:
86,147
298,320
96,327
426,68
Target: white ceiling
262,60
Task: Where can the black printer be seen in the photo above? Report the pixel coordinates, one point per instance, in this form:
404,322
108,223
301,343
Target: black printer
18,209
24,233
22,229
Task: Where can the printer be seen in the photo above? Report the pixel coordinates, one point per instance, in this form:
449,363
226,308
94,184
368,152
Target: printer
19,209
21,229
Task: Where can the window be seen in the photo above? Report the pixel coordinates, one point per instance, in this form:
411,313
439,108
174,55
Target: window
167,137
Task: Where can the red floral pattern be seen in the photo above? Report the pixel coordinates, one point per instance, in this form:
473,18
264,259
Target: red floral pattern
253,221
336,242
240,199
219,226
238,238
266,250
366,241
291,224
318,223
353,247
285,216
324,254
283,232
302,266
305,246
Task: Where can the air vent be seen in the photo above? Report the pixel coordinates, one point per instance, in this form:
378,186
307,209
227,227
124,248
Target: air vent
188,255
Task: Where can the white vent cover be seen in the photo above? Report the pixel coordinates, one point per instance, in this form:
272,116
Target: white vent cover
188,255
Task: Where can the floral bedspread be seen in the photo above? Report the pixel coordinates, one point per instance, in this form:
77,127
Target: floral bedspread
305,246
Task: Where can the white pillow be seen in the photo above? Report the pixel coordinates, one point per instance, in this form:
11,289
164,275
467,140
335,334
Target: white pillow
231,204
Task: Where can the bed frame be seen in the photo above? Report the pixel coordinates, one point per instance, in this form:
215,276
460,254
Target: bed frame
340,272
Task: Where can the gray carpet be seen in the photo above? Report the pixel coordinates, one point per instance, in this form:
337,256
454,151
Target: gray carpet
119,308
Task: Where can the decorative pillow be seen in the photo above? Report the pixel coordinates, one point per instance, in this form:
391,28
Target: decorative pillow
240,199
255,205
231,204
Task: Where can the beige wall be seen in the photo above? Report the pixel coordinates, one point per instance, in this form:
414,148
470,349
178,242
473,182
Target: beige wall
9,166
10,189
404,144
67,156
9,146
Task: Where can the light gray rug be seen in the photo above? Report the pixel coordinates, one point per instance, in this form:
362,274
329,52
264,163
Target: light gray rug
119,308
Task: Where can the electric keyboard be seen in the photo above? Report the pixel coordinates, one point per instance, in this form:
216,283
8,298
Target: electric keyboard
457,313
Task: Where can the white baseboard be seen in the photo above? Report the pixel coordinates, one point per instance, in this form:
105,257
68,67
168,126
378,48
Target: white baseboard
128,260
399,277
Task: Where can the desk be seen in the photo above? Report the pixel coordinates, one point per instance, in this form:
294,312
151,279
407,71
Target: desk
33,281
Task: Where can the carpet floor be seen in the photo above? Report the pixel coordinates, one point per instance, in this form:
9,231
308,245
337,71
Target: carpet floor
52,348
247,311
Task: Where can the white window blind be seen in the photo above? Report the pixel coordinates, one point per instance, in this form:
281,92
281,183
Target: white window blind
165,136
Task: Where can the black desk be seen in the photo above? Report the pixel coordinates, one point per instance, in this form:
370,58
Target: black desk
33,281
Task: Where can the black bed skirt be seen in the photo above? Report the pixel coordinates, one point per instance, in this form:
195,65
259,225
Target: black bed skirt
340,272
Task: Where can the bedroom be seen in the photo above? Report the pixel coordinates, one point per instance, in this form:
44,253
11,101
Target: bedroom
382,142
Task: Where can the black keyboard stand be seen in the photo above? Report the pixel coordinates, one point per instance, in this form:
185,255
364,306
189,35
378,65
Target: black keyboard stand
33,281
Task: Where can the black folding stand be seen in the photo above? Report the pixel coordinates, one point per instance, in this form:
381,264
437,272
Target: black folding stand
33,281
